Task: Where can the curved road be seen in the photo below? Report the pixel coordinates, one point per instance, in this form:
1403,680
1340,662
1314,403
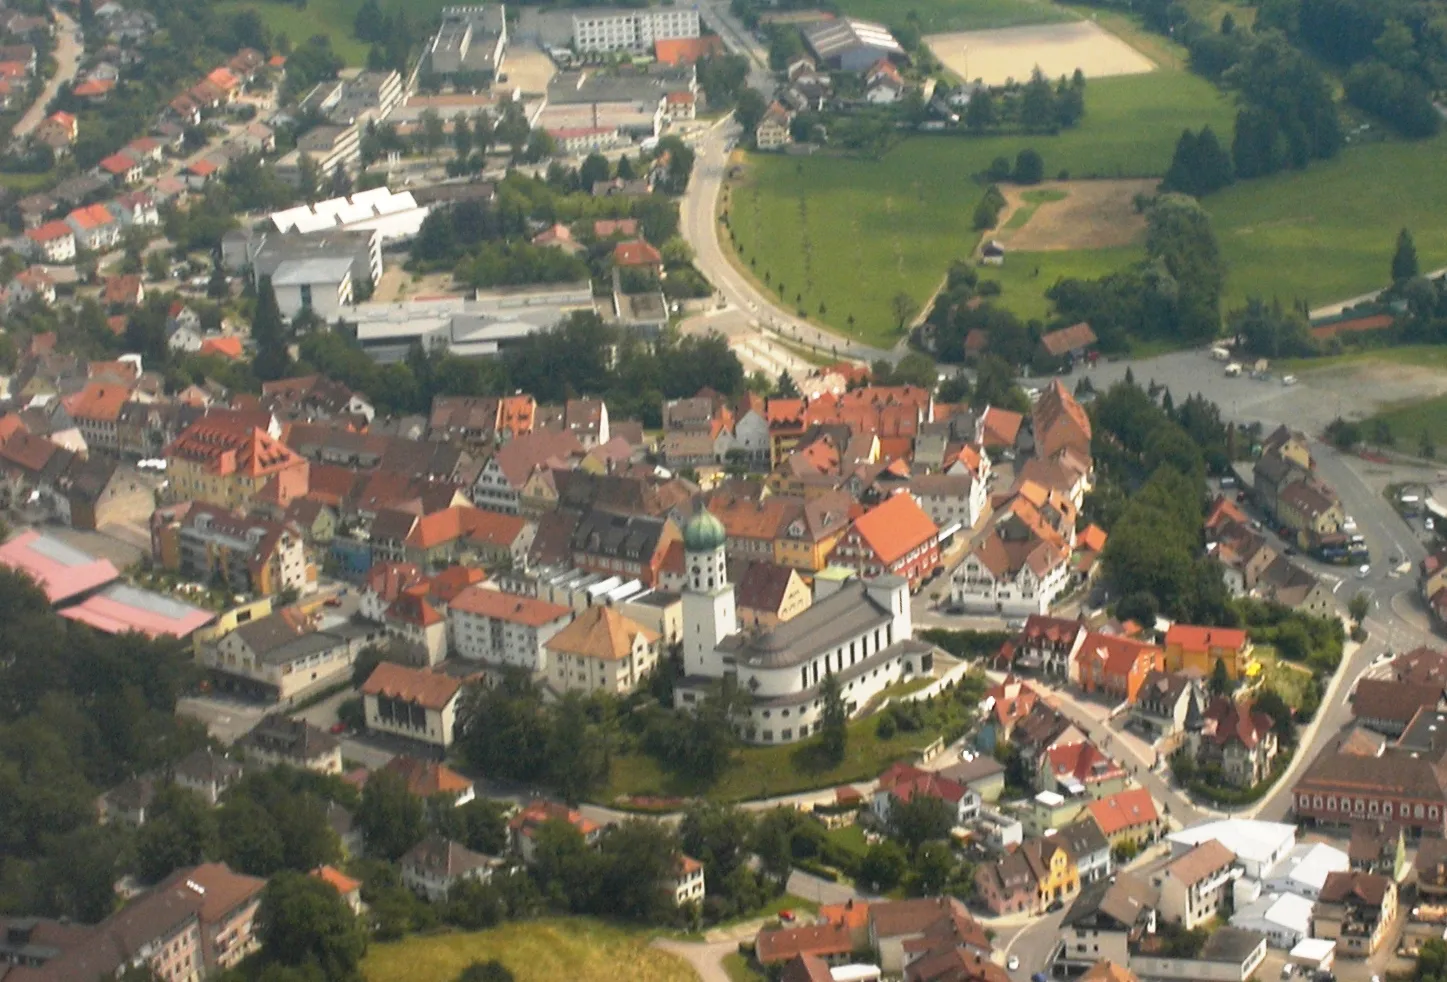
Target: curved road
67,59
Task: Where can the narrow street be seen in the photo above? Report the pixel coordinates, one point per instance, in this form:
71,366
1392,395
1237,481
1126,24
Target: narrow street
67,60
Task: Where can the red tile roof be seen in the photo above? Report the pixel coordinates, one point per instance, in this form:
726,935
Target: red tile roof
227,347
1194,638
636,253
118,164
92,216
50,231
97,401
1123,810
510,607
682,51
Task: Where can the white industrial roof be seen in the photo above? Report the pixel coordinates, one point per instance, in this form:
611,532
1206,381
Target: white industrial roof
1309,863
1312,950
301,272
1285,910
394,215
1248,838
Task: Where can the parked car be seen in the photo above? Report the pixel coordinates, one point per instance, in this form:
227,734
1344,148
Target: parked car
1013,962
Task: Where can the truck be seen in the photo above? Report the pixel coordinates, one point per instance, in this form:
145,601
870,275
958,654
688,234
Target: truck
1233,370
1220,354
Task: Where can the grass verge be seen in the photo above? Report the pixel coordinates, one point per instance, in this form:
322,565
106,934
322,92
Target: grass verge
555,950
1408,422
1288,681
934,16
740,969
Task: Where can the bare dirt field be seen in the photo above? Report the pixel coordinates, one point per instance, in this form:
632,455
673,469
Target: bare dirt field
995,57
1091,215
397,285
527,69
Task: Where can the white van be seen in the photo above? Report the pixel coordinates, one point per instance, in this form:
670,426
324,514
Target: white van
1220,354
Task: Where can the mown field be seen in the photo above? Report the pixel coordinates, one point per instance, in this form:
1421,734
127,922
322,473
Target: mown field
331,17
935,16
1409,421
559,950
1327,233
850,234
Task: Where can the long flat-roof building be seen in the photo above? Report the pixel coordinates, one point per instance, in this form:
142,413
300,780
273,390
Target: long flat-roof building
322,285
261,251
632,29
481,326
471,40
61,570
392,216
121,607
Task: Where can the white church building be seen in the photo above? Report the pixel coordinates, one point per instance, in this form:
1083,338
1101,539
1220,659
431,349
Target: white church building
858,630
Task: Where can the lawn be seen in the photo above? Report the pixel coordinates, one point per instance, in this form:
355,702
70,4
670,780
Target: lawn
1033,200
849,838
1288,681
936,16
331,17
764,772
1409,420
560,950
1027,275
740,969
1418,355
1327,234
849,234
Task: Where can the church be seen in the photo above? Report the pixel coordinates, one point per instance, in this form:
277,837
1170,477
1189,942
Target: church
858,630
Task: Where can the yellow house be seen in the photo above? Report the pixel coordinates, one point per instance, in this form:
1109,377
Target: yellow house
807,539
1290,444
1056,875
222,462
228,621
1310,509
769,594
1189,647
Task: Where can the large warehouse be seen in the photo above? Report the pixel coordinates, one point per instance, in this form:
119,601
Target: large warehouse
851,45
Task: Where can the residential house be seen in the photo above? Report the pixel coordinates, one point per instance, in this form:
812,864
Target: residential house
950,500
894,537
1048,645
434,866
348,889
1058,422
1200,649
505,630
1029,879
632,546
980,772
523,826
1114,666
768,594
1128,816
413,703
1355,910
280,739
1194,887
206,773
601,650
904,782
1168,703
1238,740
54,242
907,936
96,411
1089,848
1285,583
500,483
225,462
250,555
96,229
1107,921
1311,509
1387,706
773,130
1076,768
1005,704
123,168
687,884
1018,568
429,779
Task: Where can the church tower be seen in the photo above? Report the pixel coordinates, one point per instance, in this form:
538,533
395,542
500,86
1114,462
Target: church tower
708,598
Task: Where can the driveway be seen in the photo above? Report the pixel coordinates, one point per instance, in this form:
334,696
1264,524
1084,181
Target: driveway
67,60
705,957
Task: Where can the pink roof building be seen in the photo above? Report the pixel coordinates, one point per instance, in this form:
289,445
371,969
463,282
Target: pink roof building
121,608
62,571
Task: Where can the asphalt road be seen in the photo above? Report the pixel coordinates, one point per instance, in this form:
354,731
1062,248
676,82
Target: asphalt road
67,59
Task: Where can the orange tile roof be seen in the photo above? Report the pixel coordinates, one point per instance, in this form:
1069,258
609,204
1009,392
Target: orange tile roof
412,609
388,580
1001,427
226,448
535,813
446,585
339,881
50,231
92,216
682,51
426,778
1092,539
510,607
1123,810
126,289
118,164
894,527
1194,638
600,632
430,690
222,79
636,253
229,347
93,87
97,401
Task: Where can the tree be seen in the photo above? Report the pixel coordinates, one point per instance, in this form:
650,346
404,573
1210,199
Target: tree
921,819
1037,104
883,866
304,921
1220,679
750,109
390,816
1404,260
834,721
1359,606
156,267
218,287
980,113
788,388
491,970
934,864
903,307
462,136
268,331
180,830
594,170
1029,167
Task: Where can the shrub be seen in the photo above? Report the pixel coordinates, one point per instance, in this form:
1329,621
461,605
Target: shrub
885,728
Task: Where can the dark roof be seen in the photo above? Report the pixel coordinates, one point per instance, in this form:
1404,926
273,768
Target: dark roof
1231,945
1123,901
439,856
1081,837
284,736
1397,702
763,585
842,615
629,537
204,766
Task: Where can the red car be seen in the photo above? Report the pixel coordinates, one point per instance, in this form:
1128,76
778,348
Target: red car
339,727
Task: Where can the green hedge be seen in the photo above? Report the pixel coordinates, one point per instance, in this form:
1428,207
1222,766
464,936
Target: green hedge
967,644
